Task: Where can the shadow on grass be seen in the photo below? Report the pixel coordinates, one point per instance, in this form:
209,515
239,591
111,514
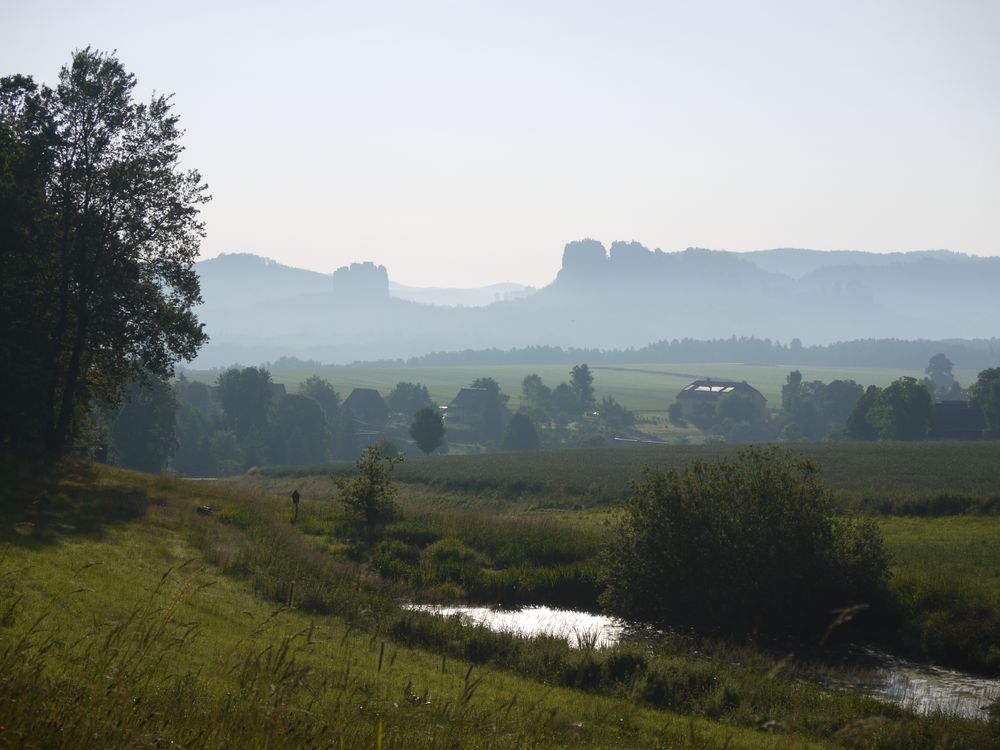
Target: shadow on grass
40,505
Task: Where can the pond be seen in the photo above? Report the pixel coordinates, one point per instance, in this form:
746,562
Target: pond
921,688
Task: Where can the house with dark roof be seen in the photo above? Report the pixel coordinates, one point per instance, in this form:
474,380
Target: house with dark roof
367,406
956,420
468,404
711,391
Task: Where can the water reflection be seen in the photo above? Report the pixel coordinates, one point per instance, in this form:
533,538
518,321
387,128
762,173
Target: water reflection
924,689
921,688
578,628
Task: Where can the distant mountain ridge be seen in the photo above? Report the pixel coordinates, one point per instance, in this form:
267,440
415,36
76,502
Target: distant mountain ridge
605,298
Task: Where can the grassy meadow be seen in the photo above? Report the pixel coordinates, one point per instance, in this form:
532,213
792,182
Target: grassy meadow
127,619
647,388
937,503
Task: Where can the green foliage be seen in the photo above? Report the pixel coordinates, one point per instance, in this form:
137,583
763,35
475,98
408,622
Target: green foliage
449,560
521,434
858,426
406,399
940,379
816,408
371,493
676,414
323,393
535,397
98,240
194,455
902,411
613,415
582,384
750,545
246,399
949,620
985,393
299,434
489,425
427,429
143,431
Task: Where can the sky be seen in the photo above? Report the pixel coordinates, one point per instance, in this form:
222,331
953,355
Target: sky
465,143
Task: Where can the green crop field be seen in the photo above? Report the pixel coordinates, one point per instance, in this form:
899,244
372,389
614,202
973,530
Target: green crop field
645,388
875,471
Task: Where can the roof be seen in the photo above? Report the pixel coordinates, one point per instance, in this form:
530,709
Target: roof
367,402
471,398
718,388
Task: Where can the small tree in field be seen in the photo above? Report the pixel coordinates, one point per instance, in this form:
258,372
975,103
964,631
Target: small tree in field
745,546
427,429
370,493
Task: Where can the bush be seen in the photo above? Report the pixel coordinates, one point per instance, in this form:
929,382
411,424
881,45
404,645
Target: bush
371,493
742,546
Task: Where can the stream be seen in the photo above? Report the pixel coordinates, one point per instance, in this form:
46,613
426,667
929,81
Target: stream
921,688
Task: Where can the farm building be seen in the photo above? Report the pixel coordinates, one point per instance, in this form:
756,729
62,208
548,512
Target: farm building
711,391
956,420
469,404
367,406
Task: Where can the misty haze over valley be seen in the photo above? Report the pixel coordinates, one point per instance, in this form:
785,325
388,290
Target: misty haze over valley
257,310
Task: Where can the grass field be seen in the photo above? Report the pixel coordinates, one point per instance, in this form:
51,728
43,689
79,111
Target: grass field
643,388
871,472
126,619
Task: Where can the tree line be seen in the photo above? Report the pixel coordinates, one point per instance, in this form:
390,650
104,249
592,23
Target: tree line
243,420
846,410
890,353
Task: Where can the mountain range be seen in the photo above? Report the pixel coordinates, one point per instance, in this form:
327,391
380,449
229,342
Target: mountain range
257,310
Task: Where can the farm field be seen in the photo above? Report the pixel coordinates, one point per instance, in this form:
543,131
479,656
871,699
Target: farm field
888,472
643,388
126,619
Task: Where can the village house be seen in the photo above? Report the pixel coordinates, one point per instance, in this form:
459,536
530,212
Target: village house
468,405
711,391
367,406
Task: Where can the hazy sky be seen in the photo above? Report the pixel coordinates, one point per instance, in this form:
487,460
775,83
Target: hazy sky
465,143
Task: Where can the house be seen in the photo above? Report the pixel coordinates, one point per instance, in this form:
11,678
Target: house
367,406
469,404
710,391
956,420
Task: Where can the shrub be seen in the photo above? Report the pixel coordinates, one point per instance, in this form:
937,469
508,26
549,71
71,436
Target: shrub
450,560
370,493
742,546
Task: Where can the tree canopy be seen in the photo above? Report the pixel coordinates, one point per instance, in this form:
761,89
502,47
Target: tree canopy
427,429
520,434
985,393
99,230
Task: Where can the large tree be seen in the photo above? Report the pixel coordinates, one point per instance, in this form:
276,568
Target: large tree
427,429
582,383
409,398
300,434
985,393
902,410
144,430
100,230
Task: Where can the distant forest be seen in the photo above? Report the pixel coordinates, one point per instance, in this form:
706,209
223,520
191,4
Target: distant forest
972,354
